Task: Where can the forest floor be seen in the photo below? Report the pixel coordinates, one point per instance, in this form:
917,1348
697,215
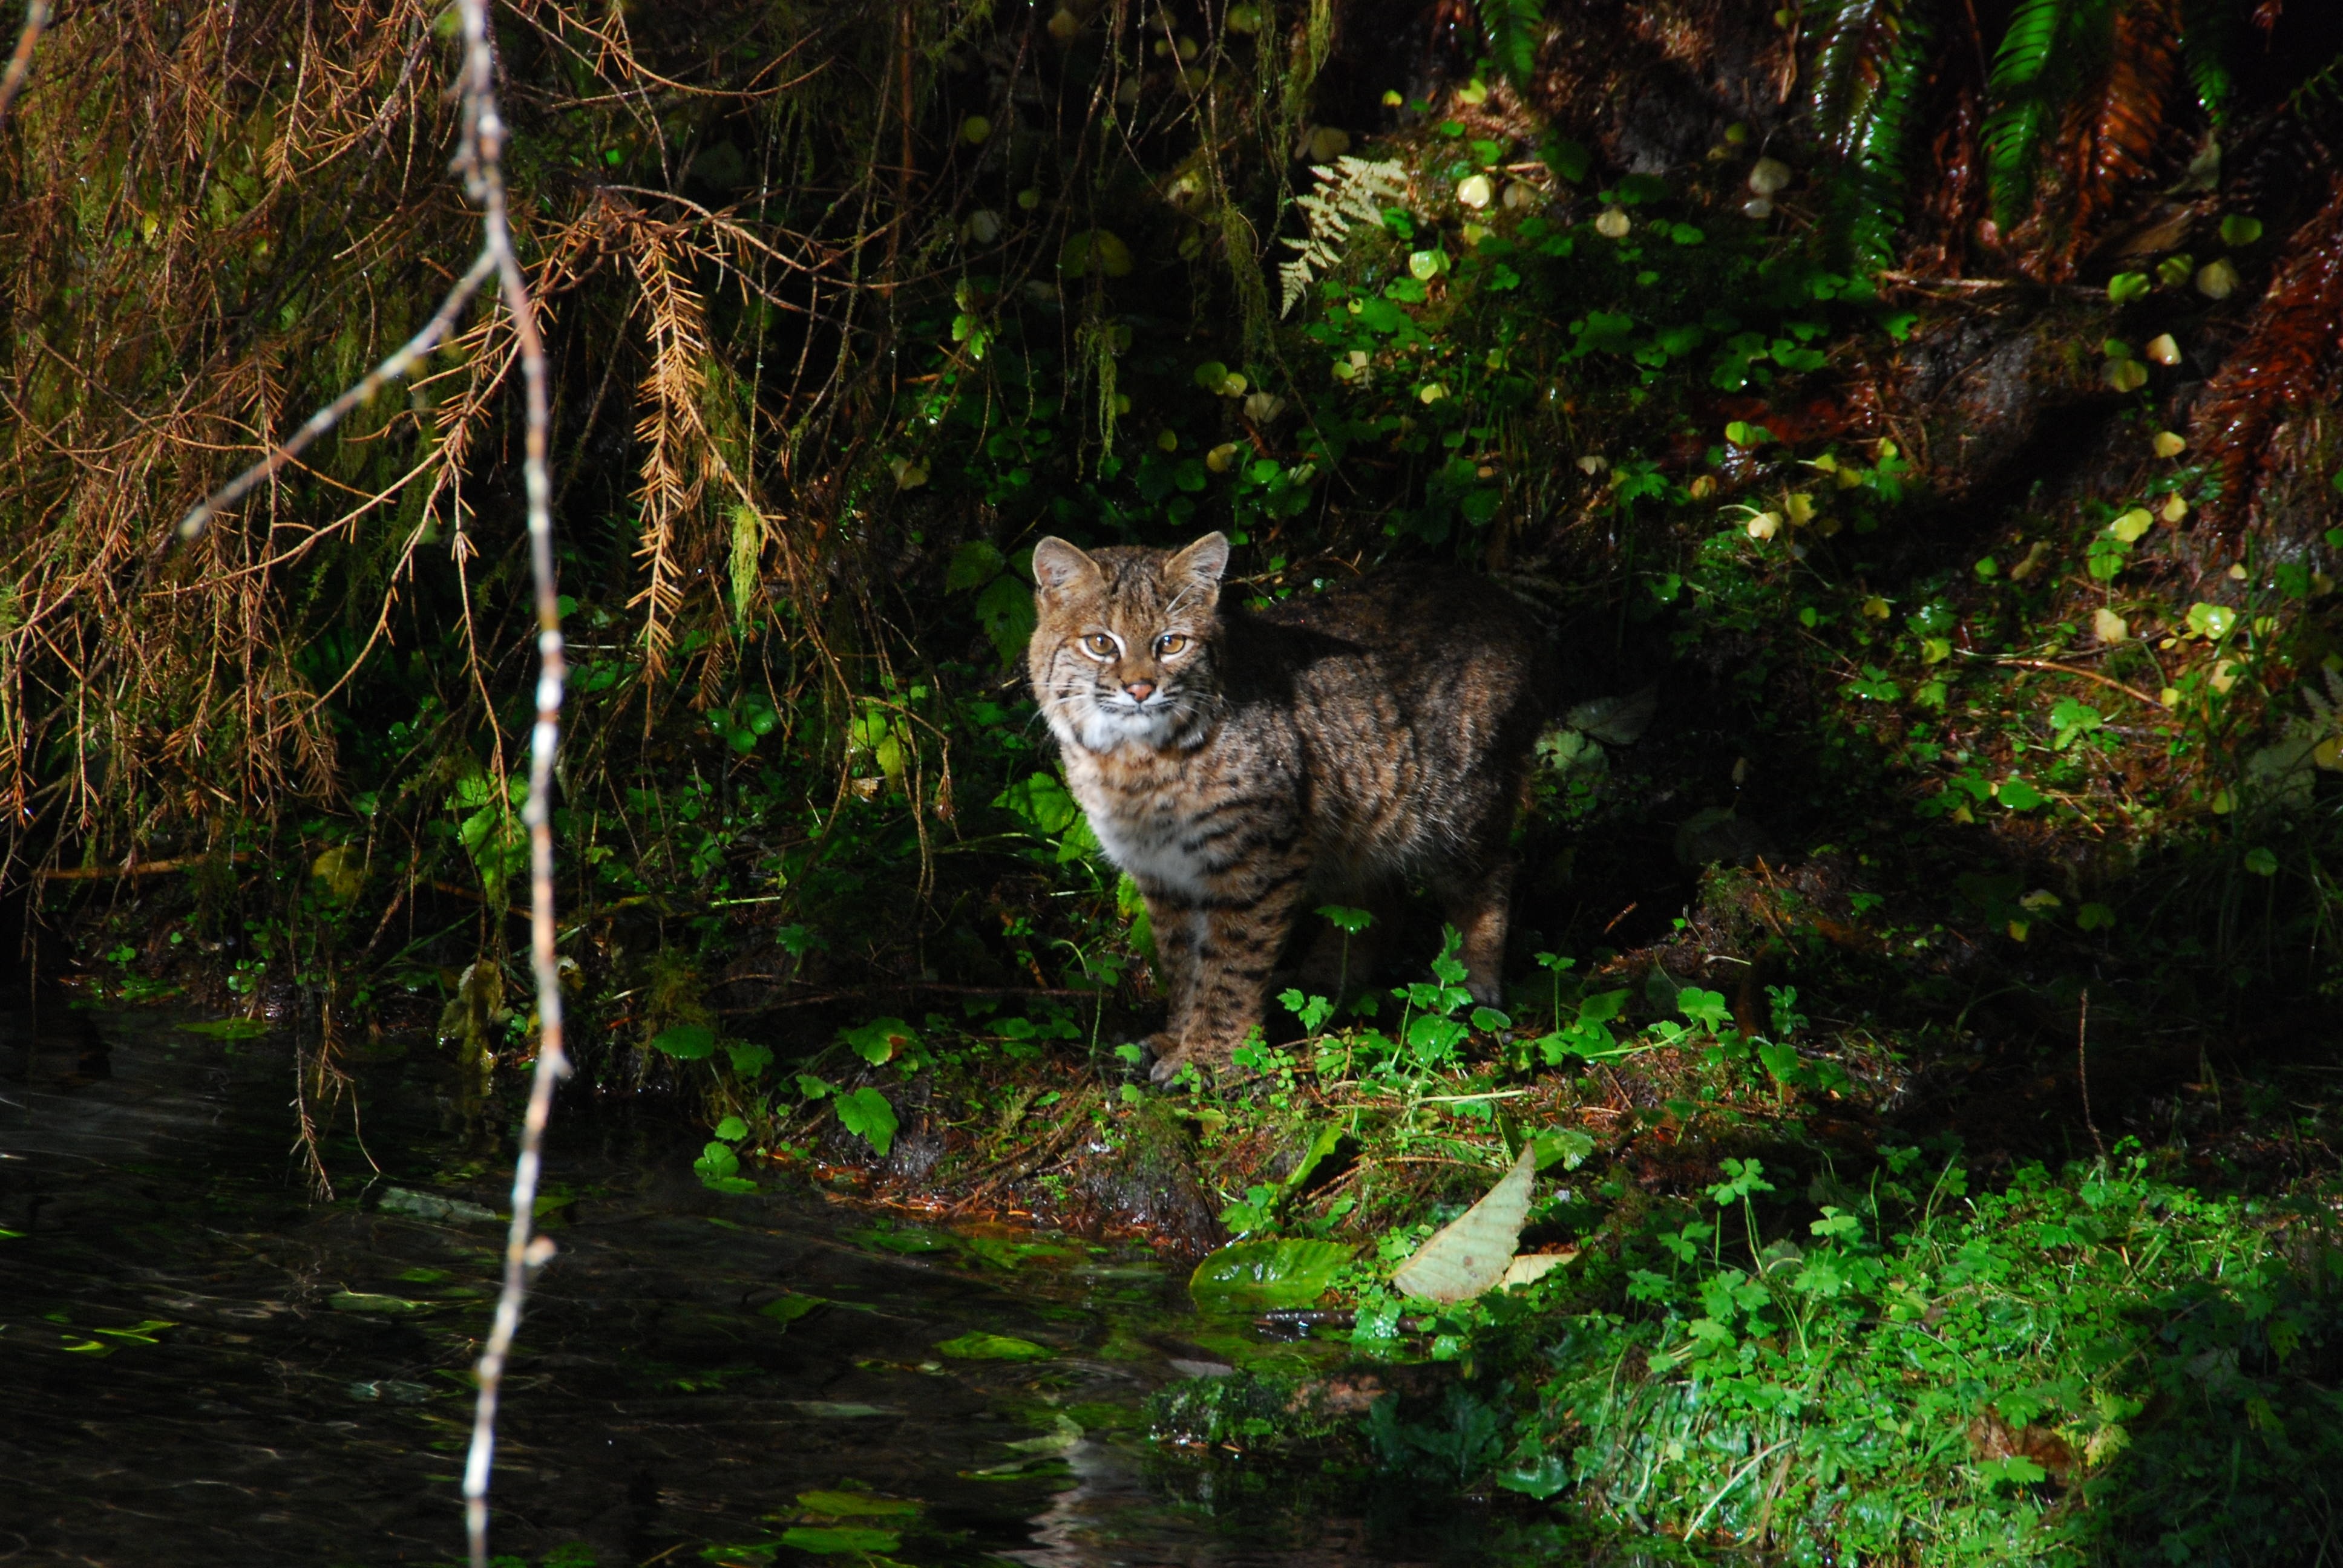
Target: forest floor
1831,1283
1926,945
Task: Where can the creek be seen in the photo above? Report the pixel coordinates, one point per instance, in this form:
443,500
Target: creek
203,1361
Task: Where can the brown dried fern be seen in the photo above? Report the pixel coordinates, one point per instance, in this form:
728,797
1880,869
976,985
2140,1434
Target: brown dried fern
2125,133
672,433
2292,357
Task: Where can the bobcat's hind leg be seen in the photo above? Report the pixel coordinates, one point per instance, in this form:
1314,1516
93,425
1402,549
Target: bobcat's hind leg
1478,906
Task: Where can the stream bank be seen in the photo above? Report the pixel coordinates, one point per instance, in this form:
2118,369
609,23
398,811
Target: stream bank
212,1362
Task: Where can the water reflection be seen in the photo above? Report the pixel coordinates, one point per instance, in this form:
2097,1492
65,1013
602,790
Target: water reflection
202,1364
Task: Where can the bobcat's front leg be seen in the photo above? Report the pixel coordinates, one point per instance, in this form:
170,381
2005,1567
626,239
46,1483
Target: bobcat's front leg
1177,926
1236,941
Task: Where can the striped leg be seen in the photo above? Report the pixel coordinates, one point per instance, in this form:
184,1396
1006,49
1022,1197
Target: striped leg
1177,926
1478,907
1240,945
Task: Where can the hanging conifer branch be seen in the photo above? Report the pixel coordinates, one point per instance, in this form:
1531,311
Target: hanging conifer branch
406,358
670,431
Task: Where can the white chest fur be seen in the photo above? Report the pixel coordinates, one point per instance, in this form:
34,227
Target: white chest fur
1146,835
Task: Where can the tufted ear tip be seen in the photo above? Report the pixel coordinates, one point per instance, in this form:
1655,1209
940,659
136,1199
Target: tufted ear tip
1058,565
1204,560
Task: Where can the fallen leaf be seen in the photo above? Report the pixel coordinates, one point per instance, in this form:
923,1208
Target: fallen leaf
1290,1274
1531,1267
854,1504
1471,1253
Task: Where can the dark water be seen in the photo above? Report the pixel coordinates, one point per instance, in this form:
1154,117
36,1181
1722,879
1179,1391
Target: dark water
202,1364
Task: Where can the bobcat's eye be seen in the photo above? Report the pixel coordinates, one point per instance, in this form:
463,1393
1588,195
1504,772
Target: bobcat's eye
1170,643
1100,646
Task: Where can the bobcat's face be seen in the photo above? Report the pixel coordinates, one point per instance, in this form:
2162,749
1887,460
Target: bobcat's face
1122,641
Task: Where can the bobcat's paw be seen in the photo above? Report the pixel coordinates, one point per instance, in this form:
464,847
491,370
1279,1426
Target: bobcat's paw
1137,1058
1171,1056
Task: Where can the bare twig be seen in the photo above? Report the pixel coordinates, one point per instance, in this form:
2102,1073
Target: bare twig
36,17
481,161
1965,284
2083,1071
332,414
130,869
2133,692
1017,1169
1737,1477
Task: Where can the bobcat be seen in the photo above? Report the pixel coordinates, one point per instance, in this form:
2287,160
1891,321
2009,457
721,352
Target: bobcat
1241,765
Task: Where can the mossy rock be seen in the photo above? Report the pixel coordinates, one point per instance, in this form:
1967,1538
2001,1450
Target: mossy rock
1152,1180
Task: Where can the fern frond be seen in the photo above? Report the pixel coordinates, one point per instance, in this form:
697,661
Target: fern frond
2027,47
2130,119
2013,124
1857,42
1513,29
2042,53
1867,83
1351,191
1292,282
2322,87
2207,44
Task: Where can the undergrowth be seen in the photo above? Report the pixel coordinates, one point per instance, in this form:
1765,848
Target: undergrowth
2095,1365
1918,433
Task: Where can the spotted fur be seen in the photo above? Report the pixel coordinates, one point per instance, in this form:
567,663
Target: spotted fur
1245,765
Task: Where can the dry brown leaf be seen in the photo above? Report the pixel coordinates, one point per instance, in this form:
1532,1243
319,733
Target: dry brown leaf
1472,1252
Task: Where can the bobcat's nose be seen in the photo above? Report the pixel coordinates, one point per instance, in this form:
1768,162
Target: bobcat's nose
1140,690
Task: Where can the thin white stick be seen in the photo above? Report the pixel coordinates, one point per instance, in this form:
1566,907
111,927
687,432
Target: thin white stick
442,322
480,160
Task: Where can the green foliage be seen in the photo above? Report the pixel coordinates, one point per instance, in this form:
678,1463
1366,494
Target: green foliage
866,1113
1252,1409
1465,1439
2206,45
1567,1146
1044,806
744,723
880,1041
980,1346
1513,29
1255,1274
1869,76
1930,1376
829,1540
1587,1035
2041,54
686,1041
856,1505
719,1165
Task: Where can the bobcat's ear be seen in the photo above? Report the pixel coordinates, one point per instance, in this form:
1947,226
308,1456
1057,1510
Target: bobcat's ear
1202,562
1059,566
